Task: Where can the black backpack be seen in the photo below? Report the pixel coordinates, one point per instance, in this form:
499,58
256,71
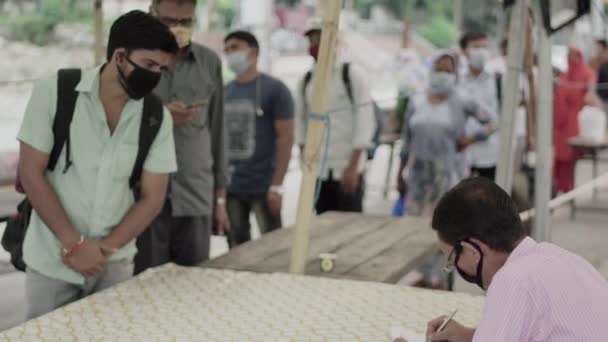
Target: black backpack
67,80
378,113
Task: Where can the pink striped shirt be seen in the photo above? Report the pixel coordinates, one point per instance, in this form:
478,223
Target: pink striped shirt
544,293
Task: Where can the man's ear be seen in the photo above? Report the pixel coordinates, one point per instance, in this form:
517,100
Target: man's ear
469,248
485,249
117,55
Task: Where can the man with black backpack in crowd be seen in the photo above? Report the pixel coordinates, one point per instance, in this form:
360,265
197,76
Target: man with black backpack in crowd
96,151
351,126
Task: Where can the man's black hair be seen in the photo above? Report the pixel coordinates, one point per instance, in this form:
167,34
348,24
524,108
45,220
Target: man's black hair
602,42
311,31
245,36
478,208
137,30
448,56
469,37
504,45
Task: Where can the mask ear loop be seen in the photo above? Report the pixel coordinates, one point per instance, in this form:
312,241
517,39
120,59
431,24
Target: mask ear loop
479,276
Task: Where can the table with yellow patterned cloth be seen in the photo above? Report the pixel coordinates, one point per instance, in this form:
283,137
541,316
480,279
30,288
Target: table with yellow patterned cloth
172,303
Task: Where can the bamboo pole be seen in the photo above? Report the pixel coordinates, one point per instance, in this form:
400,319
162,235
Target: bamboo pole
515,58
544,133
407,30
207,21
99,50
458,15
314,137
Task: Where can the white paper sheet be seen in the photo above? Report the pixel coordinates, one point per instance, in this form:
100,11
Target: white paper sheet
408,335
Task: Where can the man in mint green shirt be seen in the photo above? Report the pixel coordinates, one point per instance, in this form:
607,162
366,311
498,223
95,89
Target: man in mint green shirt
81,235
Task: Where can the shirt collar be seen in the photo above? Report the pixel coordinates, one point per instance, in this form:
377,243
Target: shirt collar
188,52
89,82
525,246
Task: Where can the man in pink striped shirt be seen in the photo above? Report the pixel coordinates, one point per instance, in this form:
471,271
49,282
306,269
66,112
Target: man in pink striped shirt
536,292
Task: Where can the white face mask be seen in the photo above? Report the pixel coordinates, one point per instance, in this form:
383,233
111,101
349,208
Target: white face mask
478,57
441,83
238,62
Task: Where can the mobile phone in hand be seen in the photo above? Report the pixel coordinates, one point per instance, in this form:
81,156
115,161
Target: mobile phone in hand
198,103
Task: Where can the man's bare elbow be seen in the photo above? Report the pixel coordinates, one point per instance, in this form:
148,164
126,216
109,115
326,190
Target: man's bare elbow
154,193
29,176
157,208
153,202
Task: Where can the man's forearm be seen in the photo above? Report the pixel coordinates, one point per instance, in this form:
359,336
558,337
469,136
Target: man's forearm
219,136
220,192
46,203
355,158
139,217
284,145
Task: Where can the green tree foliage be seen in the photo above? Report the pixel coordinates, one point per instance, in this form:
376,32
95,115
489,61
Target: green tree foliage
439,31
37,27
434,18
480,16
225,8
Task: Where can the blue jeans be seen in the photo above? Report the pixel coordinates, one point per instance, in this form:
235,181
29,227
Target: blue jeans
239,207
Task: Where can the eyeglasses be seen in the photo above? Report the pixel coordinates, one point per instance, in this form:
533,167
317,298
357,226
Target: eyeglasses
173,22
450,266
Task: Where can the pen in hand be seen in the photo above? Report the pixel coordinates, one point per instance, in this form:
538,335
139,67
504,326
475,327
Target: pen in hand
445,323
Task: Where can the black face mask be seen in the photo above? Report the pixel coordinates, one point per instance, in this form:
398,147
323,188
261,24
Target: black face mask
140,81
474,279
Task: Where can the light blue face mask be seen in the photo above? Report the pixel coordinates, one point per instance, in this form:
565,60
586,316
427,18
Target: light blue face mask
478,58
441,83
238,62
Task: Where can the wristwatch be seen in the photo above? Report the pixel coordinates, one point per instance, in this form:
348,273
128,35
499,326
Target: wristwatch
220,201
277,189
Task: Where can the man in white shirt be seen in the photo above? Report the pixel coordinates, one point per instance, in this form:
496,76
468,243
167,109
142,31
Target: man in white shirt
351,125
483,87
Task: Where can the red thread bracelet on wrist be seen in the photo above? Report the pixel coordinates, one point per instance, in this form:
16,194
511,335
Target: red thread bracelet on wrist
69,252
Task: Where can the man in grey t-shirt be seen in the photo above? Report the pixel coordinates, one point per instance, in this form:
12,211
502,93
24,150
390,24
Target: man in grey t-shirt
259,114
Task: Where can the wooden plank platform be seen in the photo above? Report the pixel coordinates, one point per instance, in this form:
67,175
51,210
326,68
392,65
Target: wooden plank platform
370,248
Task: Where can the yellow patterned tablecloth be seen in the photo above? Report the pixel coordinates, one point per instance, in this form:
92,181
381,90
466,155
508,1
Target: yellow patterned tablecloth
173,303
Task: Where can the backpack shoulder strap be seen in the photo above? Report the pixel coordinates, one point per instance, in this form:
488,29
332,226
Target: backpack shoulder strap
67,80
151,121
307,79
304,90
347,82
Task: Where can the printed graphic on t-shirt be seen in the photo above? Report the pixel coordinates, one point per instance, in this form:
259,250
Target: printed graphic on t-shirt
240,122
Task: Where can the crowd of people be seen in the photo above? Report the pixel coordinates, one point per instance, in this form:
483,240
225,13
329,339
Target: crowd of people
133,185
